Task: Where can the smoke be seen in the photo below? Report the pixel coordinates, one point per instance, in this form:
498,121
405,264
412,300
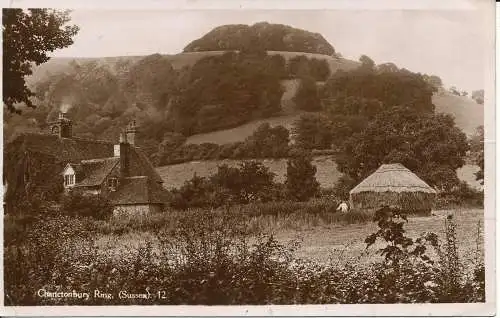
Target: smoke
66,103
65,107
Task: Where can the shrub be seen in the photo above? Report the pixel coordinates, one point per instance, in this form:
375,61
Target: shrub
208,258
461,195
198,192
79,204
301,183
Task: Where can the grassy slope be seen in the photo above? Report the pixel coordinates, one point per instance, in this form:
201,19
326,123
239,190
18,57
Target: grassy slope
468,114
175,175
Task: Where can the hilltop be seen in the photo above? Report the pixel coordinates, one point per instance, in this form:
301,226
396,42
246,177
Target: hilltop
261,36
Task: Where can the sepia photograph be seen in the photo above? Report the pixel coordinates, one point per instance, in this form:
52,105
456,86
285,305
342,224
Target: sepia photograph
248,157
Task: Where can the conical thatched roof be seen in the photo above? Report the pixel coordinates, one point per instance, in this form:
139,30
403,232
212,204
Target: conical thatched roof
393,178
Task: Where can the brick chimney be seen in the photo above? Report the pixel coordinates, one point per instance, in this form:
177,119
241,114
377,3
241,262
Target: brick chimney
124,156
131,132
62,126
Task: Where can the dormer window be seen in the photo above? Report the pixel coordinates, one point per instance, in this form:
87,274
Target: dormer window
112,184
69,176
69,180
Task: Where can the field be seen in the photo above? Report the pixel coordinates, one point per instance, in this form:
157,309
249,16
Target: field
175,175
321,243
327,173
337,242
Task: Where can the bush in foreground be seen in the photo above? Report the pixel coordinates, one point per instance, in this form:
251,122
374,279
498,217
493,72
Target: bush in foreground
212,259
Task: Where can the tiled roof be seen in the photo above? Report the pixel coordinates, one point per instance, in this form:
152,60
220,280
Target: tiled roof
96,170
66,149
141,166
138,190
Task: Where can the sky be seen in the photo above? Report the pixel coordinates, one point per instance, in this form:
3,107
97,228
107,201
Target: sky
450,44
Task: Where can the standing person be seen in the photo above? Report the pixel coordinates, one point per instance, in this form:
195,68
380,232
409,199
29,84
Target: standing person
343,207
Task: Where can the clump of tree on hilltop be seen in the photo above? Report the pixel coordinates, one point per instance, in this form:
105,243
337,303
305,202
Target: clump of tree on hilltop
261,36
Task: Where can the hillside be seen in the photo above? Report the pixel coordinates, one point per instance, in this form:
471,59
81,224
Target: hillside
261,36
468,114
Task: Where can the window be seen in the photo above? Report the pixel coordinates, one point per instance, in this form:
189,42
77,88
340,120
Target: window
69,180
112,184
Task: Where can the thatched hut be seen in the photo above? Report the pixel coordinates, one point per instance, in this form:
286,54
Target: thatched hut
393,185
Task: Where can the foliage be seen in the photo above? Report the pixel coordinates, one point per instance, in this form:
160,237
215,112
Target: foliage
429,145
268,142
261,36
399,247
212,260
443,279
301,183
391,89
478,96
76,203
366,63
250,182
460,195
343,186
476,143
433,80
313,131
28,35
307,97
194,193
225,91
216,92
265,142
301,66
33,185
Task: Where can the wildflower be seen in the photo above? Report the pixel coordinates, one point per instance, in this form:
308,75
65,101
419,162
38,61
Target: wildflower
430,284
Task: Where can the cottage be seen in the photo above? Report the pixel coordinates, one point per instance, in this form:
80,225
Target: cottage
57,162
393,185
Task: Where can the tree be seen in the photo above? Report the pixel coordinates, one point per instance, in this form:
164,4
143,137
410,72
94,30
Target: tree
480,173
454,91
313,131
366,62
424,143
307,97
387,67
478,96
433,80
301,183
268,142
251,181
28,35
477,152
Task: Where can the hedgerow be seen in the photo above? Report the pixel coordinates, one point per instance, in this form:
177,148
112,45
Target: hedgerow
214,259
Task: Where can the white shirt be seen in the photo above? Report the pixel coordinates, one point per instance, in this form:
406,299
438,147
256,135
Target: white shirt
343,206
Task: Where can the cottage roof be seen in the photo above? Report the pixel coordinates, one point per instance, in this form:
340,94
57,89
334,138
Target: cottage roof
94,171
393,178
65,149
138,190
141,166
